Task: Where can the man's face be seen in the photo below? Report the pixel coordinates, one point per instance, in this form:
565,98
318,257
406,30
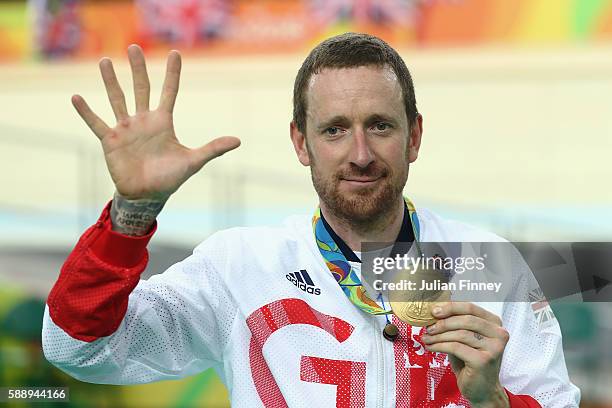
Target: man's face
358,143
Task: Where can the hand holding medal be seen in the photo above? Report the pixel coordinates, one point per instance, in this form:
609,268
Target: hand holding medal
475,341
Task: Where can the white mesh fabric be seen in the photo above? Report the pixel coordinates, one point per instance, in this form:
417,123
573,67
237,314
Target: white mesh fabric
177,324
533,361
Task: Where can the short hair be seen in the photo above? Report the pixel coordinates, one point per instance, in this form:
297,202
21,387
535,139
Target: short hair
351,50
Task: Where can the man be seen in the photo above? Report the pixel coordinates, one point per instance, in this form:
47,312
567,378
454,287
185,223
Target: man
269,308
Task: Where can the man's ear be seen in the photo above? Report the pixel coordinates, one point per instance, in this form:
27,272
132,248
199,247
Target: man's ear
299,144
414,141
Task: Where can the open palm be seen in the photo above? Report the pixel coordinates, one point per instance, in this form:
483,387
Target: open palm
143,155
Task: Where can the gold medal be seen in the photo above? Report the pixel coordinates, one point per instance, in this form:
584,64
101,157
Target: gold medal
414,306
418,313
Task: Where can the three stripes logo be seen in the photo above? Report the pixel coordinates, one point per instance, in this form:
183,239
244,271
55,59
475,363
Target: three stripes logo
302,280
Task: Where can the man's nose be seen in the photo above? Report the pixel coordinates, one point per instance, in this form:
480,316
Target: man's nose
361,152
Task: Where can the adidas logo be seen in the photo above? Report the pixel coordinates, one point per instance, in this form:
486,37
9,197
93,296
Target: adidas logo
302,280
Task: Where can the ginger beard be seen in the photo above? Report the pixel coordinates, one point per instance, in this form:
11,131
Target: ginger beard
365,206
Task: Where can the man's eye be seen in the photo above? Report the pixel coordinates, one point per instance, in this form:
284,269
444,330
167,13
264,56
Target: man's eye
332,131
382,126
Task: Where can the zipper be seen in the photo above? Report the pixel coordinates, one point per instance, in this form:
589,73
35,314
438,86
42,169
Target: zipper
380,357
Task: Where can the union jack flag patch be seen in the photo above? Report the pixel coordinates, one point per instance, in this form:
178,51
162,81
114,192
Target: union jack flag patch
541,309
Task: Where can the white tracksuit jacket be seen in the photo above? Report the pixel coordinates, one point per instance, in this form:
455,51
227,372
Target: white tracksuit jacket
232,307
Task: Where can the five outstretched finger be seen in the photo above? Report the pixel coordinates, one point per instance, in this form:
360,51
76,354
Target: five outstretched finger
113,89
142,88
92,120
171,82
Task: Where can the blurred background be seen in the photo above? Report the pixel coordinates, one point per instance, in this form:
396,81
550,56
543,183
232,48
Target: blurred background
516,97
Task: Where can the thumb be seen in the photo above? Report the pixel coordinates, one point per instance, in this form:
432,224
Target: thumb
212,149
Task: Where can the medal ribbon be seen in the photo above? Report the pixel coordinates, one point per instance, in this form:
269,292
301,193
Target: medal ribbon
341,269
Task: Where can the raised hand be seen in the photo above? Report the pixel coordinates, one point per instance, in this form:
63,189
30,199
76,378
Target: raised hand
144,157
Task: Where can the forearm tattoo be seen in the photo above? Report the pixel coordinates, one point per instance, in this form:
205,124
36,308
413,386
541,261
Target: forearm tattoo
134,217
